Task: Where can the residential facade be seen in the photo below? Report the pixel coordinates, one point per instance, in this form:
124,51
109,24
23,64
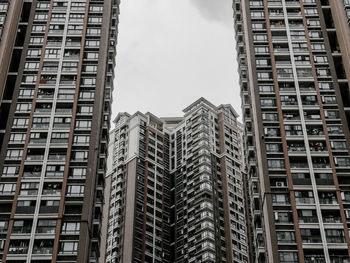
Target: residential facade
177,190
56,75
294,68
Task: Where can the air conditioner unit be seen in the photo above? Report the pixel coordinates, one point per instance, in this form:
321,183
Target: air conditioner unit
280,184
276,216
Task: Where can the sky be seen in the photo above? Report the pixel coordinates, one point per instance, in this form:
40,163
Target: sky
170,53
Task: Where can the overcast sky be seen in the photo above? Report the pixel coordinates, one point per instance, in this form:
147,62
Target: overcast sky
170,53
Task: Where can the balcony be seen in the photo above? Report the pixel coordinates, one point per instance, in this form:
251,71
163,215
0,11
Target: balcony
296,147
304,200
18,247
22,227
42,250
57,156
324,179
314,259
299,165
34,157
327,198
312,239
301,179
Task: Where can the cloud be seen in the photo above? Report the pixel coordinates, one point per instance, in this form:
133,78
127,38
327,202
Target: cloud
215,10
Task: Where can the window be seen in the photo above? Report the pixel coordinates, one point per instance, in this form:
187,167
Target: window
275,164
261,49
41,122
70,66
46,226
78,6
325,85
7,189
285,237
207,234
3,225
91,55
34,53
71,227
75,29
335,236
272,132
52,53
268,102
62,122
96,8
342,161
26,93
318,47
54,170
81,139
323,72
338,145
313,22
29,188
38,29
299,47
85,109
14,154
321,59
90,68
273,147
310,11
289,257
262,62
59,137
93,31
66,93
69,247
258,26
80,124
76,18
50,66
36,40
31,66
280,198
304,197
86,95
58,17
17,137
269,116
88,81
257,14
297,35
20,122
40,16
315,34
10,171
80,155
92,43
94,20
75,190
77,173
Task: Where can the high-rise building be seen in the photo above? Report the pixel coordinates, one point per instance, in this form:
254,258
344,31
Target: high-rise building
177,190
295,70
56,74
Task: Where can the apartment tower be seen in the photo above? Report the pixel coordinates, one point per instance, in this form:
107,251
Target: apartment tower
177,191
56,74
295,70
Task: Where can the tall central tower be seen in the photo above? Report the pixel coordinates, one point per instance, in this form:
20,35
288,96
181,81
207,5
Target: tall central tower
176,188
